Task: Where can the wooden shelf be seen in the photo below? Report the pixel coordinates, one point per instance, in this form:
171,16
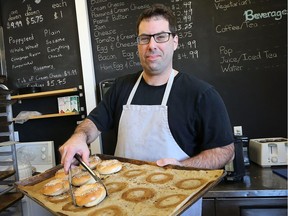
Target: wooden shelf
53,115
5,92
6,174
44,94
4,103
7,143
8,199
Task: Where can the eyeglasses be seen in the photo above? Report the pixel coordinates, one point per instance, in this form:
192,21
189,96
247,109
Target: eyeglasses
161,37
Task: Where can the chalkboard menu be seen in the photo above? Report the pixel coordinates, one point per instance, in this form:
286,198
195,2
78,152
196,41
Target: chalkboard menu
240,47
41,44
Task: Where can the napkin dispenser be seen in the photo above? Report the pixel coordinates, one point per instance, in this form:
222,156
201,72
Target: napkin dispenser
236,168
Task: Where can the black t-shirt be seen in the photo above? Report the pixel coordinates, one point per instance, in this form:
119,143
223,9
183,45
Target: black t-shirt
197,116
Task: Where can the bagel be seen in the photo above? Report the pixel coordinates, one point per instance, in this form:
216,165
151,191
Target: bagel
83,177
62,175
93,161
55,187
109,166
89,195
59,198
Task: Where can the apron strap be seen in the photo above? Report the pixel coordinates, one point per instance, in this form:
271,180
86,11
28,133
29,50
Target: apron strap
166,93
168,89
132,93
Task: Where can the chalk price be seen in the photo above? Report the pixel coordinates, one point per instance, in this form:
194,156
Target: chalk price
34,20
186,34
194,54
13,25
56,82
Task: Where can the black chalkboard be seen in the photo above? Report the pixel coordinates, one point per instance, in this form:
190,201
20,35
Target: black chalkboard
41,44
240,47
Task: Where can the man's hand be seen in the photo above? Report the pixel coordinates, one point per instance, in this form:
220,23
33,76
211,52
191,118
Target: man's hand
85,133
215,158
74,145
167,161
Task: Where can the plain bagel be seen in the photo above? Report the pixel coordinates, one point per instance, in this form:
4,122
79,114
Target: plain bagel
89,195
109,166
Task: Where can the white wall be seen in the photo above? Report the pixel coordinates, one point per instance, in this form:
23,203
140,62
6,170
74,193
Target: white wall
87,62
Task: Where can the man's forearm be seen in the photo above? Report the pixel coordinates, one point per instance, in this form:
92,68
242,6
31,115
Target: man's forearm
87,130
211,159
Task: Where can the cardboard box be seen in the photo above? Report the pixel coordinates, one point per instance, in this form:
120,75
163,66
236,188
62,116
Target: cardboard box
74,103
68,104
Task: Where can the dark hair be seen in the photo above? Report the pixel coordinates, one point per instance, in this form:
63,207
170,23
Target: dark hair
158,10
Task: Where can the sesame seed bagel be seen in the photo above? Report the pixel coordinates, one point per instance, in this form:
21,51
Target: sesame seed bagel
93,161
83,178
109,166
55,187
89,195
62,175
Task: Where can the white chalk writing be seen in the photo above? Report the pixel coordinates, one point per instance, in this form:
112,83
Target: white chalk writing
277,15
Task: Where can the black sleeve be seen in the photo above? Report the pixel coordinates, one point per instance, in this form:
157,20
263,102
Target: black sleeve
215,126
102,114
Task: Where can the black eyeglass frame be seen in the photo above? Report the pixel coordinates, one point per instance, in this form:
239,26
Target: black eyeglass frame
169,33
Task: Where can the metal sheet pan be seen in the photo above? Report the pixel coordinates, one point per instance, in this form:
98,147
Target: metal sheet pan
35,183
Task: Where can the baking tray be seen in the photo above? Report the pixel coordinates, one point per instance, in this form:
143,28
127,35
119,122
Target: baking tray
31,187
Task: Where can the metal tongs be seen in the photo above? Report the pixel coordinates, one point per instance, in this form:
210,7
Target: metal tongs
97,179
70,186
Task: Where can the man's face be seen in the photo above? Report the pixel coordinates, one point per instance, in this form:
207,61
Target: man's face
156,58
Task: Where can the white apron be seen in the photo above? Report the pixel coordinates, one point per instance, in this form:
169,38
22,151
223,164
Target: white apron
144,133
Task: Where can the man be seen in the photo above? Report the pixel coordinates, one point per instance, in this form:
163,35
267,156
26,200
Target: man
161,114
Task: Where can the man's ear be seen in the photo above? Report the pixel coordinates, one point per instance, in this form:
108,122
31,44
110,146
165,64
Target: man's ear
175,40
